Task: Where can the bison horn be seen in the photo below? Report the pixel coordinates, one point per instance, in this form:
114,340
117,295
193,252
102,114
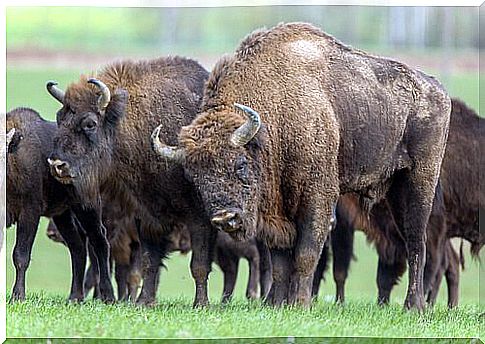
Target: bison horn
248,130
168,152
55,91
9,137
105,96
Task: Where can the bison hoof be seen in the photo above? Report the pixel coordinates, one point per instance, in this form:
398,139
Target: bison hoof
17,297
200,303
414,303
146,302
75,299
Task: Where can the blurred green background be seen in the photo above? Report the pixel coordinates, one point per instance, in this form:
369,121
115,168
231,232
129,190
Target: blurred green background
59,43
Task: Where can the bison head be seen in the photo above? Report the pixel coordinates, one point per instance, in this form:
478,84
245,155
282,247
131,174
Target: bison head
220,152
86,126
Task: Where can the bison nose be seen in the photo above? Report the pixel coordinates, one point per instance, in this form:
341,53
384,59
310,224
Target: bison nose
227,220
60,168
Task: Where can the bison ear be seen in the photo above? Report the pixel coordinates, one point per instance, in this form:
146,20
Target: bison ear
117,106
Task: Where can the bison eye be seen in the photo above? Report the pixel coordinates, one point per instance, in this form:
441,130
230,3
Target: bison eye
89,125
242,169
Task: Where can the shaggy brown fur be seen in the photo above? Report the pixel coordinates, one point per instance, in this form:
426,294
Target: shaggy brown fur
334,120
462,172
32,192
455,213
116,156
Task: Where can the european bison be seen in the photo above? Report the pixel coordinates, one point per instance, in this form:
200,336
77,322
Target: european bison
32,192
455,213
101,147
319,119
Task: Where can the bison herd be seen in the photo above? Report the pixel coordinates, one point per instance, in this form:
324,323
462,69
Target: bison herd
277,156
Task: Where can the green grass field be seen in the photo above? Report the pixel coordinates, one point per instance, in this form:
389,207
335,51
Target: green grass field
46,314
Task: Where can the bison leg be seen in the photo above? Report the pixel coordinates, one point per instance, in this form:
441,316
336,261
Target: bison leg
342,239
90,220
91,280
432,294
452,275
151,276
135,275
121,277
253,281
318,276
313,225
411,206
388,275
77,249
435,249
229,266
26,231
265,268
203,239
281,260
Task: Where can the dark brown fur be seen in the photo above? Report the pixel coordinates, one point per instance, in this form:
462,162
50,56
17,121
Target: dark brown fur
334,120
125,252
228,252
143,95
462,174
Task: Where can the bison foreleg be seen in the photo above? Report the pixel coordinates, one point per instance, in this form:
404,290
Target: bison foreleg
229,266
203,242
266,269
281,260
388,275
77,249
253,260
26,231
90,220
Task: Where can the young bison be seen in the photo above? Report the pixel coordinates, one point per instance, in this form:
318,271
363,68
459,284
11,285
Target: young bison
32,192
319,119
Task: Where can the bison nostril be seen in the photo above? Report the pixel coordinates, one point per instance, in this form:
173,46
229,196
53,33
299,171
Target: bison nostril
226,220
61,167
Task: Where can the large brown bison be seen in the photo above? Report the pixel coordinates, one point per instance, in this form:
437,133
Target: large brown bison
319,119
101,149
455,213
32,192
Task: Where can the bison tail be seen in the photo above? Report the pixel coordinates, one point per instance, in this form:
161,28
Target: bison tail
462,256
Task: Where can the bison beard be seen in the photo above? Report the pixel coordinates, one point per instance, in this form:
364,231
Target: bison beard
333,120
103,149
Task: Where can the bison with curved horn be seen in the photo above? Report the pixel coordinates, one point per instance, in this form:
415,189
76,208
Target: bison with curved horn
319,119
103,151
